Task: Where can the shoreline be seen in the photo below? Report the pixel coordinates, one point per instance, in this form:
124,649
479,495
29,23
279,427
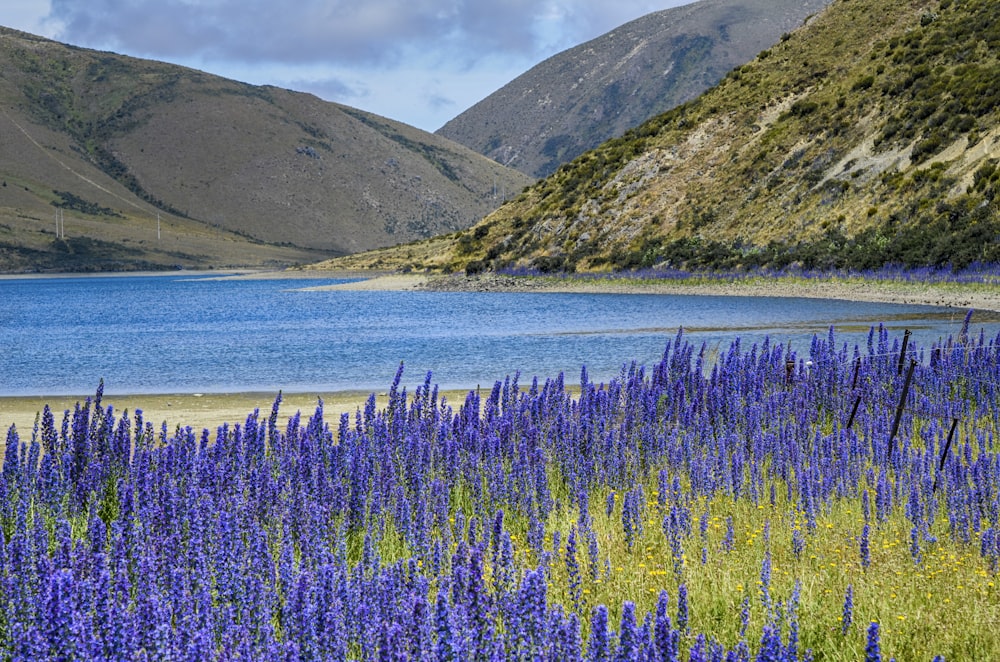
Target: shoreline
976,296
946,295
195,273
199,410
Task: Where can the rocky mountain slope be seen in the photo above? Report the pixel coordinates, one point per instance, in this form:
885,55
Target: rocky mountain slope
869,136
583,96
237,174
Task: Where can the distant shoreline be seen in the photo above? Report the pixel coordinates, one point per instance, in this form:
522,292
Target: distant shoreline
967,296
209,274
948,295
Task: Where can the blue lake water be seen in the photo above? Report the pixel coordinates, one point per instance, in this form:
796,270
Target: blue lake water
182,333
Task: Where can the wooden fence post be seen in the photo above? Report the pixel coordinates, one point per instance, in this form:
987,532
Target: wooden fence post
944,453
854,410
902,402
902,352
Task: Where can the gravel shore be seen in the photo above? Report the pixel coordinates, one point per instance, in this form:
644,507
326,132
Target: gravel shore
949,295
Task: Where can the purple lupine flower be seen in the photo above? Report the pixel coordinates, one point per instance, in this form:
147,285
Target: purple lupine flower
569,640
573,570
536,535
583,522
865,549
598,647
913,507
497,530
418,631
59,615
661,623
628,520
530,613
479,612
988,547
883,498
390,643
593,555
873,651
798,541
673,525
703,532
791,653
473,537
682,608
729,538
739,654
300,617
10,458
445,647
459,532
662,488
666,640
628,636
503,567
646,647
765,582
848,612
744,617
699,652
770,645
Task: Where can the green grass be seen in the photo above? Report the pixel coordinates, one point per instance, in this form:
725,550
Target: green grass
946,604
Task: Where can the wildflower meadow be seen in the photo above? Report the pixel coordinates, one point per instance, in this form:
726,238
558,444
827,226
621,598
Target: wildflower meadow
766,503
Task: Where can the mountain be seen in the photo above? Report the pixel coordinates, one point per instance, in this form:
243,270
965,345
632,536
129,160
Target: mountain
581,97
237,174
870,136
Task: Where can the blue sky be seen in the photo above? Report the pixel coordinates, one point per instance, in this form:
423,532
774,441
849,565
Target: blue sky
417,61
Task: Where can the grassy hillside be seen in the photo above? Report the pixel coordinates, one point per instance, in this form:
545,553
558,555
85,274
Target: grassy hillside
581,97
237,173
868,136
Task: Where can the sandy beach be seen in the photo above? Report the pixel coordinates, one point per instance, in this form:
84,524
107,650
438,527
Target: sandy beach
199,411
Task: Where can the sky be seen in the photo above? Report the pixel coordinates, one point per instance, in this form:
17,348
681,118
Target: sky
421,62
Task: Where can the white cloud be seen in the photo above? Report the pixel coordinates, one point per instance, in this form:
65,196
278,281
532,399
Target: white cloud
418,61
29,16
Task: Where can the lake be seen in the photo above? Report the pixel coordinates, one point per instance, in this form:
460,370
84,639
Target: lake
183,333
